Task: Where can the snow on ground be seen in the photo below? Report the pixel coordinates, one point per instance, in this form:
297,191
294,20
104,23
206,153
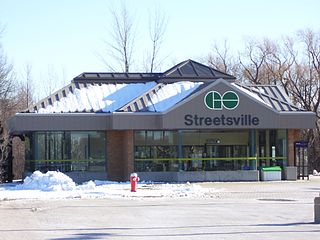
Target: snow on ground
56,185
316,173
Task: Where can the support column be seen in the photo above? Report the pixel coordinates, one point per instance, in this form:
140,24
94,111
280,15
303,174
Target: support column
120,154
317,210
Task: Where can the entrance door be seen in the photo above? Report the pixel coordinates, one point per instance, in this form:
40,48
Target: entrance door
301,159
226,157
211,153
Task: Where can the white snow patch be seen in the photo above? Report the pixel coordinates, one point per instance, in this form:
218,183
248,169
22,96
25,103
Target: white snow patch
56,185
107,97
50,181
169,95
315,173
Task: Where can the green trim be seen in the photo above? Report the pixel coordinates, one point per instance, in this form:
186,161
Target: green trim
212,159
272,158
271,169
196,159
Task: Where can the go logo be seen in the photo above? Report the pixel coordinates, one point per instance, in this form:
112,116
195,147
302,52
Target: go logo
229,100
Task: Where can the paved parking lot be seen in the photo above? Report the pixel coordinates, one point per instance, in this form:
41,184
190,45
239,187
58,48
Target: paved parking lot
258,210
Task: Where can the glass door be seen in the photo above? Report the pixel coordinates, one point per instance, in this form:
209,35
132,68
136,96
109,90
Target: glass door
301,159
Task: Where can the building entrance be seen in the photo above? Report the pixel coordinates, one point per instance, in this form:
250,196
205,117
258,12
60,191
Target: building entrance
301,159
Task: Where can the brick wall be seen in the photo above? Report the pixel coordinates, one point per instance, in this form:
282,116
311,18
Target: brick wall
18,150
120,154
293,135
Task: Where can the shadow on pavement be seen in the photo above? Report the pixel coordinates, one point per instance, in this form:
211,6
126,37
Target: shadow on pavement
194,230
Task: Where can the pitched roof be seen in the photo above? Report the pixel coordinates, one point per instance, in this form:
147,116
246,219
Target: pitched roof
149,92
161,98
148,97
191,70
188,70
272,95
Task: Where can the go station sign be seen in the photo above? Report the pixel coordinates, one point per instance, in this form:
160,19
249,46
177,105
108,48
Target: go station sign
229,100
214,100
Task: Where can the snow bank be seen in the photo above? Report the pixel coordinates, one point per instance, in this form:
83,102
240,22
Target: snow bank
56,185
316,173
50,181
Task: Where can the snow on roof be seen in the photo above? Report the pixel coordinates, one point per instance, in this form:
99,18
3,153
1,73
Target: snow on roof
169,95
149,96
104,97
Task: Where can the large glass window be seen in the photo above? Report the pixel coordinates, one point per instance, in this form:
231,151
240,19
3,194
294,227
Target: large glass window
192,150
209,150
272,147
66,151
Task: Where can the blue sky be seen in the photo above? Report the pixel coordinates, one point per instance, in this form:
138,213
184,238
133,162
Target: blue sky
66,36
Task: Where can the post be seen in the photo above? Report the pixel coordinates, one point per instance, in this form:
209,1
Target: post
317,210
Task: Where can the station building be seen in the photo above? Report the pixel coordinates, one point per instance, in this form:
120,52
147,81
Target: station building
189,123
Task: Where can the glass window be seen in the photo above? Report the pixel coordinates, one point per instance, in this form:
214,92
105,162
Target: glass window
193,150
272,147
66,151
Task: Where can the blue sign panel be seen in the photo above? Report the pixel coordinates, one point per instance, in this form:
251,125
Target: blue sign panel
301,144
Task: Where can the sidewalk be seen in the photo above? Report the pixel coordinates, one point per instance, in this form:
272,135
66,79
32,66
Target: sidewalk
302,190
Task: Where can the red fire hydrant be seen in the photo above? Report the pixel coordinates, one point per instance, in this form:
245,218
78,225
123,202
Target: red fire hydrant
134,179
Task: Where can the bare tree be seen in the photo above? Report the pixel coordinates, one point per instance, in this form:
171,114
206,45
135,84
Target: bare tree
278,60
5,157
6,94
6,75
53,79
307,90
252,62
157,27
14,97
293,63
120,47
7,86
26,89
221,58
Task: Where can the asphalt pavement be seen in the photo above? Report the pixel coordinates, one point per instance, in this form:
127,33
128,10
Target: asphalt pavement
246,210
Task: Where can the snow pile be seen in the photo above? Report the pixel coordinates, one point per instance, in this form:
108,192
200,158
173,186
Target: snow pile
316,173
50,181
56,185
91,185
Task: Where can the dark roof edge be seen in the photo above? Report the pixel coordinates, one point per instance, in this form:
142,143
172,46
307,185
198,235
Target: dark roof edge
111,77
117,77
226,75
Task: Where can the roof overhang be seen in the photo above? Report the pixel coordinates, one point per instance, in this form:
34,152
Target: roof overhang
22,123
